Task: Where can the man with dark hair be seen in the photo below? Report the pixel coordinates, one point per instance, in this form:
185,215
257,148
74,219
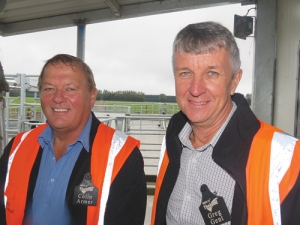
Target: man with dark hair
74,170
219,163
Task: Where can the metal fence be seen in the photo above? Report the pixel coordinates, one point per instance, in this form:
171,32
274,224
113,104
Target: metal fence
149,129
139,108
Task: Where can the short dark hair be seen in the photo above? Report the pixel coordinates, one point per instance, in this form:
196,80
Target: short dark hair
72,61
206,37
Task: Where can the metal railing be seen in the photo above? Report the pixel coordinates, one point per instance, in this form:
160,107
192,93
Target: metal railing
149,129
111,108
139,108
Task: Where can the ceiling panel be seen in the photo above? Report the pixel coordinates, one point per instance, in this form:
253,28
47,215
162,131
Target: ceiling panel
32,9
23,16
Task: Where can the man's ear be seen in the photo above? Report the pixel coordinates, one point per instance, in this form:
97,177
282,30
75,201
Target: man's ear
93,96
236,80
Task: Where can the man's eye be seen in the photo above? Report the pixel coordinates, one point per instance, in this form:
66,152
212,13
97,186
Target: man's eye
185,74
71,89
212,73
48,89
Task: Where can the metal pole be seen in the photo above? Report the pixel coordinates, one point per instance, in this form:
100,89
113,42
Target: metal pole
2,124
34,107
21,124
81,38
297,111
7,115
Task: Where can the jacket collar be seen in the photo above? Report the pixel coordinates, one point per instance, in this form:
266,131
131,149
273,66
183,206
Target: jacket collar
232,149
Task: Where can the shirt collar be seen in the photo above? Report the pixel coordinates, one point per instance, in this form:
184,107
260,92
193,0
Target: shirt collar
46,137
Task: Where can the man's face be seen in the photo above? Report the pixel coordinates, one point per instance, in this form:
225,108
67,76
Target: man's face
65,99
204,84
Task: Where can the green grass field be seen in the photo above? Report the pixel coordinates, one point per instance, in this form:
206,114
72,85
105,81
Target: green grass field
15,100
127,107
143,107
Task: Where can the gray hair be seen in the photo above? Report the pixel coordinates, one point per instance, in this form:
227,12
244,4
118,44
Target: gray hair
200,38
72,61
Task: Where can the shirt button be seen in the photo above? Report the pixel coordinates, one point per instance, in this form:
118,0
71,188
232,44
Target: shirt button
52,180
194,160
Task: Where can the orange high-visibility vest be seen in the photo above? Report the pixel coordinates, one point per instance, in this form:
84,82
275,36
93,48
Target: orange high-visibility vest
109,152
272,169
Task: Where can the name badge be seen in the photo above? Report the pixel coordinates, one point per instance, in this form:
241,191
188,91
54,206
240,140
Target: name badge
86,193
213,208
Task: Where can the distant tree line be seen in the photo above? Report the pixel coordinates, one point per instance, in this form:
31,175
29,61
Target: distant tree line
160,98
132,96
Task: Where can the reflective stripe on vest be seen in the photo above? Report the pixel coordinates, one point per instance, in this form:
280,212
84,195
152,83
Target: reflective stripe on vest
109,163
105,165
162,167
162,153
10,160
280,156
273,163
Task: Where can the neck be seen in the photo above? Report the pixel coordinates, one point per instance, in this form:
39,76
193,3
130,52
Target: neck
202,133
62,141
200,137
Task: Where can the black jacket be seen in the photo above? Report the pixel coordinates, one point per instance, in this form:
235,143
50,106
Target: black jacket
231,154
126,203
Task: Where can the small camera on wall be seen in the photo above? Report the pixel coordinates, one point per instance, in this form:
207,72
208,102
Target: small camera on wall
243,26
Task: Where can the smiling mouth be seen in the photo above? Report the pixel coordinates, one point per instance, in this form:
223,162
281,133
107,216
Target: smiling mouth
60,110
198,103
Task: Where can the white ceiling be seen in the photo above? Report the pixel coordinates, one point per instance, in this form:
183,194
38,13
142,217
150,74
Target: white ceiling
23,16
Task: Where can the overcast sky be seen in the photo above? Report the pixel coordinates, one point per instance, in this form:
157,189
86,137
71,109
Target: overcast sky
130,54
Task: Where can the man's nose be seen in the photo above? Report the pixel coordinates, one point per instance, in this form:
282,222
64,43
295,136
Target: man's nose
58,96
197,86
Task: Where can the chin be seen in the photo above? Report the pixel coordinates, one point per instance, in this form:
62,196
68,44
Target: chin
194,119
57,124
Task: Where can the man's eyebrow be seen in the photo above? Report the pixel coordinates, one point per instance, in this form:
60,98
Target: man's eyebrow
182,68
213,67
